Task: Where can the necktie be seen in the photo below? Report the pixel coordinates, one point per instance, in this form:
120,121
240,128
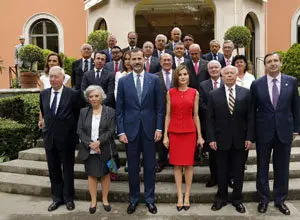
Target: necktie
196,67
116,67
215,56
168,81
147,65
110,56
86,66
54,103
98,74
228,62
231,101
138,87
275,93
215,84
159,53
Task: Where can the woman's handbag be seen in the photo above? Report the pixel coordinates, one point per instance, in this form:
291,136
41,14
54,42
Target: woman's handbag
112,165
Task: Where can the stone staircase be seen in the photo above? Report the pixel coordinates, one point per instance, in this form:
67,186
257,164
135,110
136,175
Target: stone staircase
28,175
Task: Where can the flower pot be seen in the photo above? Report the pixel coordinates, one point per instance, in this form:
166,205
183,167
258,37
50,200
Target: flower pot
28,80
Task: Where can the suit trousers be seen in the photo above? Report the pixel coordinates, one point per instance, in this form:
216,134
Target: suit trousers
162,154
238,159
62,181
133,150
213,165
281,161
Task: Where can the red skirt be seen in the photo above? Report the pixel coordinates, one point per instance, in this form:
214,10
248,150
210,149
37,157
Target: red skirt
182,148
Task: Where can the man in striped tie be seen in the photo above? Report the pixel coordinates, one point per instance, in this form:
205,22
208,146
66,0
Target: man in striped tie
230,134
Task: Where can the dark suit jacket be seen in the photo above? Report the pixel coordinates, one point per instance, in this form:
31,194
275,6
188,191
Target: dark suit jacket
202,73
106,81
155,53
284,120
110,66
127,48
221,59
154,65
77,73
106,132
185,62
61,128
131,114
204,88
169,46
229,130
106,51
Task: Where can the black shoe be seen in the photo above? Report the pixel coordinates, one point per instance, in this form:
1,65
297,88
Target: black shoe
262,207
210,183
240,208
231,183
54,206
186,207
152,208
179,208
158,169
92,210
70,206
204,155
107,207
131,208
218,205
283,208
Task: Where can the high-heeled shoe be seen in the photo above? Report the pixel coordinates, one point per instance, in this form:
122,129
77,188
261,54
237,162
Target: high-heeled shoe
179,207
92,210
107,207
186,207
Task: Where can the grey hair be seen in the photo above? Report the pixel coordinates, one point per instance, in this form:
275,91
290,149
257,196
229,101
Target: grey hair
58,69
176,28
228,42
214,62
197,46
214,41
86,45
229,67
148,42
163,36
92,88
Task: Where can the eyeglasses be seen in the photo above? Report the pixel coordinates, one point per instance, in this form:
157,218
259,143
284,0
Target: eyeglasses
188,39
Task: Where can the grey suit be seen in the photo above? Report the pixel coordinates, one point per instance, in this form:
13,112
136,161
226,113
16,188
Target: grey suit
110,66
154,65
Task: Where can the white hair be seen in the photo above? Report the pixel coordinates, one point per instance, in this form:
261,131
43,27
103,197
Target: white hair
57,69
229,67
228,42
214,41
176,28
214,62
162,36
92,88
197,46
148,42
86,45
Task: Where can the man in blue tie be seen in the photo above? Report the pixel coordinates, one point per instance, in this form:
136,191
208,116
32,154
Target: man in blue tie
139,125
275,99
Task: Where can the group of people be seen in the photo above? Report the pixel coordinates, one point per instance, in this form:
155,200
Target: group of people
173,100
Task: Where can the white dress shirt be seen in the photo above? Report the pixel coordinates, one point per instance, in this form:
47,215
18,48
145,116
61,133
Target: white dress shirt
165,75
246,81
227,92
270,85
100,71
89,63
95,130
177,61
58,97
141,79
218,82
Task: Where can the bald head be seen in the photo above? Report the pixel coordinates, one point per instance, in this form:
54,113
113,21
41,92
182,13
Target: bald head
176,34
195,52
148,48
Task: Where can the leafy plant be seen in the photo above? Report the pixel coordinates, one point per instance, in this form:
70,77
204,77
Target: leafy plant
3,158
30,55
239,35
46,52
67,63
291,64
98,39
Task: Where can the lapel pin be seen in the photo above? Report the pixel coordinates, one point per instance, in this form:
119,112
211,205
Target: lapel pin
286,84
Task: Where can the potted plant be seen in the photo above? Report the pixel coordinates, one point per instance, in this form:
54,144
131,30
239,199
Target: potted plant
98,39
30,56
239,35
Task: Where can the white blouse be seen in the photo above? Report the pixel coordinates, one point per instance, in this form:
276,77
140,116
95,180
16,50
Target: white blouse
246,81
117,77
95,129
45,79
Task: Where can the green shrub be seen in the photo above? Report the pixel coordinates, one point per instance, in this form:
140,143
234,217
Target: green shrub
12,136
67,63
291,63
46,52
31,54
98,39
239,35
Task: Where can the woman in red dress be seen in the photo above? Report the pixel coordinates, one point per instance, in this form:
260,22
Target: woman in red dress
182,132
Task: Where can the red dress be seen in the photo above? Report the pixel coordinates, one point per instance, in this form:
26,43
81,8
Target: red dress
182,129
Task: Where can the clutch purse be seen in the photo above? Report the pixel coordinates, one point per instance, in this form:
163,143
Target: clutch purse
112,165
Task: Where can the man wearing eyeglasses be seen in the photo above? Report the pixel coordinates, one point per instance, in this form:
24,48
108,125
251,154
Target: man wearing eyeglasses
188,40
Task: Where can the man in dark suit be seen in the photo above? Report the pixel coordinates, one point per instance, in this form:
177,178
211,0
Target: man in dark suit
215,81
139,125
79,67
179,55
188,40
230,132
197,67
275,98
111,42
152,64
160,44
117,64
227,49
214,53
132,41
176,38
60,109
165,78
101,77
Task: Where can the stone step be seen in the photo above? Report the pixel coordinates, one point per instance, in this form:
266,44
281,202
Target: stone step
164,192
201,174
38,154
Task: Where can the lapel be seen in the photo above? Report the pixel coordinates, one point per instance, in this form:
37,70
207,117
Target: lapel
80,66
209,85
47,98
92,64
88,120
283,90
265,91
146,83
224,101
201,66
61,101
131,87
161,78
103,119
101,76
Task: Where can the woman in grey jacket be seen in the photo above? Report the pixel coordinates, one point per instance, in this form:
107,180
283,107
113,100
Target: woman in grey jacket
96,128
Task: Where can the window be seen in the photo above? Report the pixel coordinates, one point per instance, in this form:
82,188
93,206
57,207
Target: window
44,34
101,24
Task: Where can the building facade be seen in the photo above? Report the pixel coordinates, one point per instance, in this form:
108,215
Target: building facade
63,26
